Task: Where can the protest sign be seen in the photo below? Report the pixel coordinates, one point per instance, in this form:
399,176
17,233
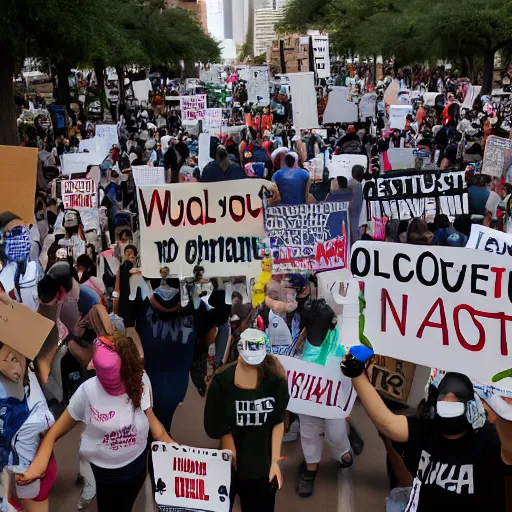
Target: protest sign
258,86
398,114
305,112
391,94
392,378
339,109
321,56
367,106
316,390
18,168
398,159
76,163
195,479
341,165
79,194
497,156
193,107
187,224
442,307
308,236
148,175
490,240
204,150
106,135
409,194
212,123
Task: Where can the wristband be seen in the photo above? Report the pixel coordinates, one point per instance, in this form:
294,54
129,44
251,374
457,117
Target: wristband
115,295
351,367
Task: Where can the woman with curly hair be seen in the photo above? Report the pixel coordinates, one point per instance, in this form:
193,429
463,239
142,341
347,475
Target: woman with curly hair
116,408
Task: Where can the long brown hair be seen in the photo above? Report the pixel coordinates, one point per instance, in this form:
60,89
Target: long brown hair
269,366
132,366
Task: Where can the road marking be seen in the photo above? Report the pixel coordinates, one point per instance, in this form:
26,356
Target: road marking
346,496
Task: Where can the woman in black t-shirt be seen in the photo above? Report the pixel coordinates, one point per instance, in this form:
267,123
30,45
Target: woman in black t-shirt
245,409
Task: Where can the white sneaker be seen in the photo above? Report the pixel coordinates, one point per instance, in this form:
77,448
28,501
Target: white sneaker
88,494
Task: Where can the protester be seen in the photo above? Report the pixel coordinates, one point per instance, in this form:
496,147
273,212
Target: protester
222,169
293,182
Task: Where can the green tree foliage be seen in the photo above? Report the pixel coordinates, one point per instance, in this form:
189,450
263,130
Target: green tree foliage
93,33
411,31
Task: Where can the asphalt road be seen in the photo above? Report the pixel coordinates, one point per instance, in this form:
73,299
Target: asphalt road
363,488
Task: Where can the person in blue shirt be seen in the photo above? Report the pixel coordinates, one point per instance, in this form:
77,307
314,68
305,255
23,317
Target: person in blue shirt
293,182
222,169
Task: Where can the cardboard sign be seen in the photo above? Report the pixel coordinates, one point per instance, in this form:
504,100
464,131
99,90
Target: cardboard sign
308,236
188,224
442,307
392,378
321,56
406,195
196,479
305,112
341,165
490,240
397,115
367,106
193,107
76,163
315,390
339,109
258,85
213,121
497,156
79,194
22,329
18,168
399,159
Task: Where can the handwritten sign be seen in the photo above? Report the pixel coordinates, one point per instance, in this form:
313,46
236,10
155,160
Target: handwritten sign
321,56
258,86
392,378
187,224
76,163
148,175
193,107
186,478
341,165
106,135
409,194
490,240
308,236
213,121
497,156
441,307
398,114
316,390
79,194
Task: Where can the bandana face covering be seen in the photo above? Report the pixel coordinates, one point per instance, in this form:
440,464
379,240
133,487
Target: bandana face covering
17,244
107,363
252,346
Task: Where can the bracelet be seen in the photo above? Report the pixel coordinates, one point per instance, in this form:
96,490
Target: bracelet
115,295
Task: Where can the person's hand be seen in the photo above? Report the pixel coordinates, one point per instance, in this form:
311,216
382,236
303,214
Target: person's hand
275,472
35,471
354,362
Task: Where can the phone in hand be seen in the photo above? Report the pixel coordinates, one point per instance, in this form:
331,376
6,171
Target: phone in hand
274,483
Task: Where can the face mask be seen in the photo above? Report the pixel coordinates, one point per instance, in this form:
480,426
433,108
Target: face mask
252,346
451,418
17,244
107,364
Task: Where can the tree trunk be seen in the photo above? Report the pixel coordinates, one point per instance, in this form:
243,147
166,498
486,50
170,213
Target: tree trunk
63,95
464,68
99,71
8,127
488,72
122,92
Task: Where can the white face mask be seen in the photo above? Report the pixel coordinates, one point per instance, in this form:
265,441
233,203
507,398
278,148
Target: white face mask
252,346
450,409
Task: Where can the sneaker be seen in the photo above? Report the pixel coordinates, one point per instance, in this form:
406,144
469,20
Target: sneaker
347,459
356,441
306,485
87,496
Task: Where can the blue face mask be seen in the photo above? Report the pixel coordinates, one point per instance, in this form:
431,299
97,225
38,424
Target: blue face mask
17,244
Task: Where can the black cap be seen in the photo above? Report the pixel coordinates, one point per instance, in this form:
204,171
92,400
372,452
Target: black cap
458,384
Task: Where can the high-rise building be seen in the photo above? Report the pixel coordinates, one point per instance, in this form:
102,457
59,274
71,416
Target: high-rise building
196,7
265,19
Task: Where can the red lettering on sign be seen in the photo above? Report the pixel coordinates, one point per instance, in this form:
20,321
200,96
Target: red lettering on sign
438,325
401,323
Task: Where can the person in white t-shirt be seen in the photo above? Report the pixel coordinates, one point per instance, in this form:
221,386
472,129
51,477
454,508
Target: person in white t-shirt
116,408
165,140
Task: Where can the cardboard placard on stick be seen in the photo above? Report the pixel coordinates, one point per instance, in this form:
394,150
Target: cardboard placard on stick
22,329
392,377
18,169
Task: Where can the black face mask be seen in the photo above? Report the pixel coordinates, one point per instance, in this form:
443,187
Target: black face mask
453,426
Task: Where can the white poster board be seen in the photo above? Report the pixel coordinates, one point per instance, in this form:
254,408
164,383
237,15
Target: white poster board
367,106
399,159
258,85
106,136
341,165
490,240
321,56
444,307
338,108
212,123
148,175
302,88
186,478
397,116
187,224
79,194
193,107
75,163
203,144
316,390
497,156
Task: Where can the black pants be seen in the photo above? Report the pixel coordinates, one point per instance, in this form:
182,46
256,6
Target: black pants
117,489
255,495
